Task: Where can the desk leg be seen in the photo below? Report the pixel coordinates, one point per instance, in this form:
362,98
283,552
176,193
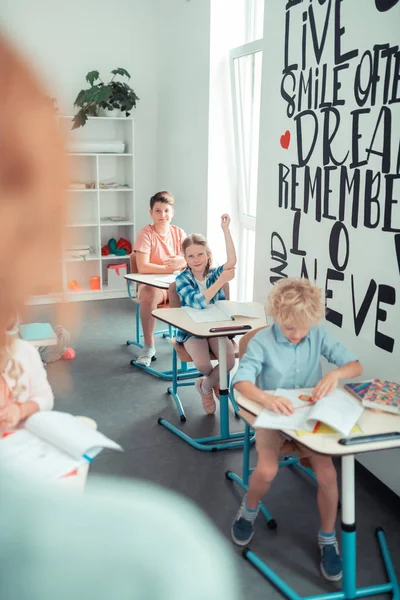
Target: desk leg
223,389
349,590
225,440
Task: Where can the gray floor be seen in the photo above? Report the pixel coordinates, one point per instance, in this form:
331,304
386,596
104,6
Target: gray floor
126,404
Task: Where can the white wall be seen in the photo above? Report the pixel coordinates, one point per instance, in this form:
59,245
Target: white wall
65,40
372,253
183,82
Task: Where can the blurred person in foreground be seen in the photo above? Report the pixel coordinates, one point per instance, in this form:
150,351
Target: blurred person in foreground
120,540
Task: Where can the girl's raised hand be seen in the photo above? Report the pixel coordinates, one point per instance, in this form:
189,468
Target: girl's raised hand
225,221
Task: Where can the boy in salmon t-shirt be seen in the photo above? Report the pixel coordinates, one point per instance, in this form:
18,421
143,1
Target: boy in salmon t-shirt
158,249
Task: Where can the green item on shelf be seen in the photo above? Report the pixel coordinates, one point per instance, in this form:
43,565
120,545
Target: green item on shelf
112,244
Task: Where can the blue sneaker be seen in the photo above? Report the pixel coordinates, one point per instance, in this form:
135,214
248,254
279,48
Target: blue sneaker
242,530
331,563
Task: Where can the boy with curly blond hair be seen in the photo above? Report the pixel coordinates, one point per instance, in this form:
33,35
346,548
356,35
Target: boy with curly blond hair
287,355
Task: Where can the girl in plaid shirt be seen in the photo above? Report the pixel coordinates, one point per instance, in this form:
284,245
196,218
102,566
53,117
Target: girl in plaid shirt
198,286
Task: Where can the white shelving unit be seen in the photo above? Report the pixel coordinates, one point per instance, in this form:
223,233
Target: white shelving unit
89,210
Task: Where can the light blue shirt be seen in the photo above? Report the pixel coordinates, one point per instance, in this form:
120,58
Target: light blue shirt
272,361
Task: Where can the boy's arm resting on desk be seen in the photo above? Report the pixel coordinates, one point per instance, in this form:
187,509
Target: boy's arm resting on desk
145,267
331,380
252,392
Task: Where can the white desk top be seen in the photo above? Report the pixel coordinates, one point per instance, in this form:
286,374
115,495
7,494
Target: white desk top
370,422
153,279
177,317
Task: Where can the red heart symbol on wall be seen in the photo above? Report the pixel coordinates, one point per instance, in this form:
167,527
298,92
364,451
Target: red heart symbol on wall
285,140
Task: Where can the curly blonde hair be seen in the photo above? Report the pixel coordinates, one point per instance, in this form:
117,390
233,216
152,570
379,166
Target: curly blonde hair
294,300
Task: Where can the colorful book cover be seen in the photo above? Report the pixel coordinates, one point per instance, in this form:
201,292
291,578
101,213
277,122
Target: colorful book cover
358,389
383,395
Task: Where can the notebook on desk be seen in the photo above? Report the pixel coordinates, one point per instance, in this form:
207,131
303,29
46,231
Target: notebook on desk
34,332
339,411
221,310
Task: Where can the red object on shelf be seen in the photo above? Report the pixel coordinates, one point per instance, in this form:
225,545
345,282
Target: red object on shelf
123,243
105,251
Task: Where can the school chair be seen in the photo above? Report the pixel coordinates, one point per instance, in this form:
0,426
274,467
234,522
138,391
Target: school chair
289,447
180,376
137,341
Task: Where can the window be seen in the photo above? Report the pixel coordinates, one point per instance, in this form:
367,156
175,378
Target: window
246,71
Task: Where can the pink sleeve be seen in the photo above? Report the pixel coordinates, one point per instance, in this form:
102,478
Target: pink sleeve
143,242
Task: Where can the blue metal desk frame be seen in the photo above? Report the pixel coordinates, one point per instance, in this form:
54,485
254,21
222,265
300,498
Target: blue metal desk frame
349,587
184,372
225,440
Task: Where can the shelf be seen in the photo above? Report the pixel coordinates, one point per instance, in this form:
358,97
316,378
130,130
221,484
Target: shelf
121,189
111,223
86,207
85,290
82,225
85,259
100,118
123,257
98,154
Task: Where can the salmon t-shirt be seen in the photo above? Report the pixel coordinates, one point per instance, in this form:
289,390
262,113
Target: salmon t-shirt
157,246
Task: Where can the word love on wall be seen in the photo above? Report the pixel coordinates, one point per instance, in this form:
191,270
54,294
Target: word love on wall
341,137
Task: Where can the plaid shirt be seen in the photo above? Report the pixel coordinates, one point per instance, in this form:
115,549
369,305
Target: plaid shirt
190,295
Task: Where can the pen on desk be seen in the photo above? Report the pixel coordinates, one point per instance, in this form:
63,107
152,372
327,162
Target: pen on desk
232,328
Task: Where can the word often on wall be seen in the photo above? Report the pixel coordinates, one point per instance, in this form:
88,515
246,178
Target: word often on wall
331,91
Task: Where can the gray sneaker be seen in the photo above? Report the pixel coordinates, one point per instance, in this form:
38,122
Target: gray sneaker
242,530
331,563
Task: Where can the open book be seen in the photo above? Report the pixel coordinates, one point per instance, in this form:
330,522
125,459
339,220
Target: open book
338,410
51,445
221,310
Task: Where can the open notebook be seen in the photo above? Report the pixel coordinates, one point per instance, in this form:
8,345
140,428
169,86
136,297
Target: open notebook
51,445
338,410
221,310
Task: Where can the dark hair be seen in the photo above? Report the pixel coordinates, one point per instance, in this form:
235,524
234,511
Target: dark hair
198,240
165,197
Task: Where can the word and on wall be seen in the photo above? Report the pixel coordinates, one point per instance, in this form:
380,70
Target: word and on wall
343,143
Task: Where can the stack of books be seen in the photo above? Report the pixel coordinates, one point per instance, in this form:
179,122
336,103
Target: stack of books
377,393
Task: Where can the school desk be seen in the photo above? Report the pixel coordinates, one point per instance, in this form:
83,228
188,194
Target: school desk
156,280
370,423
179,319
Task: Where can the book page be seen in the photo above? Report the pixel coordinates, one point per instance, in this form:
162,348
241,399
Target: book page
297,420
24,452
68,434
237,309
211,314
338,410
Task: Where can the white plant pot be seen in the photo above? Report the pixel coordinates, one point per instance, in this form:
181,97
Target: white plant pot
114,113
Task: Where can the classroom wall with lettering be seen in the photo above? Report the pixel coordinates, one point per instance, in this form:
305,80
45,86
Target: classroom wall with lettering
329,170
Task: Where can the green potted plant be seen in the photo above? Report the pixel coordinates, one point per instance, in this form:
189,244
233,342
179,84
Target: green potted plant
112,96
